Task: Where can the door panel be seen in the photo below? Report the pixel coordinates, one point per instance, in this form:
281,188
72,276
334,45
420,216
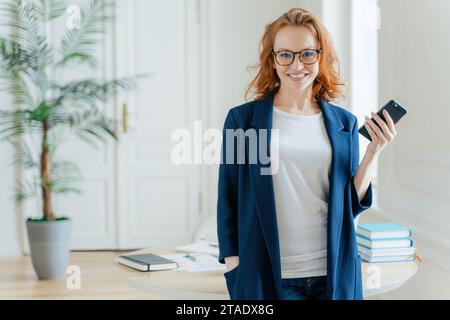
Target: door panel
158,203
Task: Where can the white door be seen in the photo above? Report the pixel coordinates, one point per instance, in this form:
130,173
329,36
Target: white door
158,202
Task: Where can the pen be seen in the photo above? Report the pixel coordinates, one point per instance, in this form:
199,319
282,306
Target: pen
190,257
210,243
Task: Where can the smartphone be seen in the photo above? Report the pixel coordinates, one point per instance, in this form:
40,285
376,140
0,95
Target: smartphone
395,110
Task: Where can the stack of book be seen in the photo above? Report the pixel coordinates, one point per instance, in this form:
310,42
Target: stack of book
385,242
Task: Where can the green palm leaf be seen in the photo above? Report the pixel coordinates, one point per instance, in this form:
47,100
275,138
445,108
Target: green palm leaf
78,44
64,175
48,10
22,18
94,90
25,190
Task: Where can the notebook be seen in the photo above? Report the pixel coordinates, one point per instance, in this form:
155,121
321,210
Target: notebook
384,243
147,262
383,230
386,252
387,259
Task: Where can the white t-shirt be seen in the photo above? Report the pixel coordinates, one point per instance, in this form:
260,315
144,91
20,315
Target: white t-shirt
301,187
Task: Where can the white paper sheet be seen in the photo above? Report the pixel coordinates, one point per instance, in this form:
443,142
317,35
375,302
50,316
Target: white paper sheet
203,262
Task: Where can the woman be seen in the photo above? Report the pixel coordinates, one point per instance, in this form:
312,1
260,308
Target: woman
290,234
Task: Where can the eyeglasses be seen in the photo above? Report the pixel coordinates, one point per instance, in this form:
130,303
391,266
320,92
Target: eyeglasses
306,56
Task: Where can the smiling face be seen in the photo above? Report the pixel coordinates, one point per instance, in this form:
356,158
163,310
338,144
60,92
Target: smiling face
297,76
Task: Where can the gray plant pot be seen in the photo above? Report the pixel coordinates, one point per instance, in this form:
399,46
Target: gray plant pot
50,247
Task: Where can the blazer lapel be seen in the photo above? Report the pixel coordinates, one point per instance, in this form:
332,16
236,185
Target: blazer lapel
263,185
340,141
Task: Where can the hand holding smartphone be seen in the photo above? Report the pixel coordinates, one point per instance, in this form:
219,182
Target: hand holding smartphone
395,110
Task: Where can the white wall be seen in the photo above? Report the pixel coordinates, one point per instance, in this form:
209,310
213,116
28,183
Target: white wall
355,38
414,172
364,70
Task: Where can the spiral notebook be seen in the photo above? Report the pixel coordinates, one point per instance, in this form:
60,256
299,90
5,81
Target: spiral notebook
147,262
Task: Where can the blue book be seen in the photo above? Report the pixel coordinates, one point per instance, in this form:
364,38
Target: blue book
384,243
384,230
387,259
386,252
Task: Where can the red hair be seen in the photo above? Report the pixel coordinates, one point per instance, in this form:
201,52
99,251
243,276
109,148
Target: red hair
328,84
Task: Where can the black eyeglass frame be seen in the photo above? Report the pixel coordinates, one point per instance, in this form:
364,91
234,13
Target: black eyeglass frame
294,53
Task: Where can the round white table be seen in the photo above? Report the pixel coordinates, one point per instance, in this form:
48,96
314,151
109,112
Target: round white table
210,285
379,278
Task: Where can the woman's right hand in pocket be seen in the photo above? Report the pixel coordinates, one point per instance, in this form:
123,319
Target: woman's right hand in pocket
231,262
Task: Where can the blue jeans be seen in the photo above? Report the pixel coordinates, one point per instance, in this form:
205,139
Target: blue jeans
310,288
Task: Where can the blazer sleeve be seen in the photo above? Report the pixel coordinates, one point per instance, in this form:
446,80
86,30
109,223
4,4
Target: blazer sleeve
366,202
227,222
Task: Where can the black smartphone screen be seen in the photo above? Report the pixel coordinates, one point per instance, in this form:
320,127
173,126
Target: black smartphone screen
395,110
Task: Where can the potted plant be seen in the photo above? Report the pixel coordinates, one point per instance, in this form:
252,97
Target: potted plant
49,109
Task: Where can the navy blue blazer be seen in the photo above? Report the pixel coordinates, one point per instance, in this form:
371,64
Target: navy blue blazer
246,216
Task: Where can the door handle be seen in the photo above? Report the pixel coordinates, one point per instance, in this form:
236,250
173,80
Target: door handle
125,118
